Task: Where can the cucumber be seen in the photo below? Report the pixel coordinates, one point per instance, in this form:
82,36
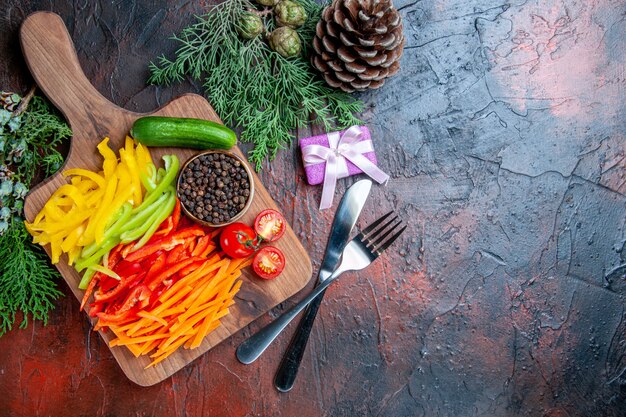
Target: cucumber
182,132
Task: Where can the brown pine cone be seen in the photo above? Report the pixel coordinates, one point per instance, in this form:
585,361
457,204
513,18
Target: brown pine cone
358,43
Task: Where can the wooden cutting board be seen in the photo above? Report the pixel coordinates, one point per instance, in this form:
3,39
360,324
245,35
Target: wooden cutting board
52,60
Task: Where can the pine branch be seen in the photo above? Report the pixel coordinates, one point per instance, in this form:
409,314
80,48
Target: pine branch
26,278
29,137
252,87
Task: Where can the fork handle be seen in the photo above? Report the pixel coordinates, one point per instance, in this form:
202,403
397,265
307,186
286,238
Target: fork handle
288,370
251,349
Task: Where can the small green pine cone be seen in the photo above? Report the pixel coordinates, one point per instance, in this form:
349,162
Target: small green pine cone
250,25
289,13
285,41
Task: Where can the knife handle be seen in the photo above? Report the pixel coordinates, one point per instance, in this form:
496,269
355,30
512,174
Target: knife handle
255,345
288,370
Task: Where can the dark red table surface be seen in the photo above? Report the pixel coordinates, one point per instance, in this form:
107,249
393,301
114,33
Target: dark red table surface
504,135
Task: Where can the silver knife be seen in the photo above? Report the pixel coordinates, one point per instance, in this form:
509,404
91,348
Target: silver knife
345,219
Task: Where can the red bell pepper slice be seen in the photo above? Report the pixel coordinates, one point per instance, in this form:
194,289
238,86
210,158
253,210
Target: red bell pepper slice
168,272
157,266
192,267
167,243
201,245
92,285
120,317
126,249
176,215
188,232
184,222
190,246
154,297
107,283
95,308
125,268
171,223
140,296
175,254
121,287
164,230
115,255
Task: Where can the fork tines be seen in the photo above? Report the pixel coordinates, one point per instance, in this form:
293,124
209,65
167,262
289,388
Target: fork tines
375,237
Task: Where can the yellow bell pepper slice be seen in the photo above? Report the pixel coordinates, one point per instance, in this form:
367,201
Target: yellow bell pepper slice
110,160
70,241
73,254
103,209
128,159
80,172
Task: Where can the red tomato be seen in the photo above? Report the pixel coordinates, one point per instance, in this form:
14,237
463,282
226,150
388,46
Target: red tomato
238,240
269,262
270,225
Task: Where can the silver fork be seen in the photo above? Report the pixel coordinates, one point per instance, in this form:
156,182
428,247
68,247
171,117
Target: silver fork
358,254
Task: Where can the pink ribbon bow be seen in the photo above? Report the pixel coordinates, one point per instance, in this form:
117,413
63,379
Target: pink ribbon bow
348,146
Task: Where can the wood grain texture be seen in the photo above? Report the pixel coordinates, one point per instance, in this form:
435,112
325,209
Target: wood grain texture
51,57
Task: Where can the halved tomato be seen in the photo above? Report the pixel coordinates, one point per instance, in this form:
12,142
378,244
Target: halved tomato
270,225
269,262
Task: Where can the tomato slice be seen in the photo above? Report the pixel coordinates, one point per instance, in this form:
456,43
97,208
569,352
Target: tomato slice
270,225
269,262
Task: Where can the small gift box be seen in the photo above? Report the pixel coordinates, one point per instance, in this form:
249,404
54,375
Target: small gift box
337,155
315,170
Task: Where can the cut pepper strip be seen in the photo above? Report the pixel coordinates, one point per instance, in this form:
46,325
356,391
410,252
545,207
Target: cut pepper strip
119,289
157,280
171,223
201,245
156,219
89,290
110,160
96,178
171,171
168,243
106,271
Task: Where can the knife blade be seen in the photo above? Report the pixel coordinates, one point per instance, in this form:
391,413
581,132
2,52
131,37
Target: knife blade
345,218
